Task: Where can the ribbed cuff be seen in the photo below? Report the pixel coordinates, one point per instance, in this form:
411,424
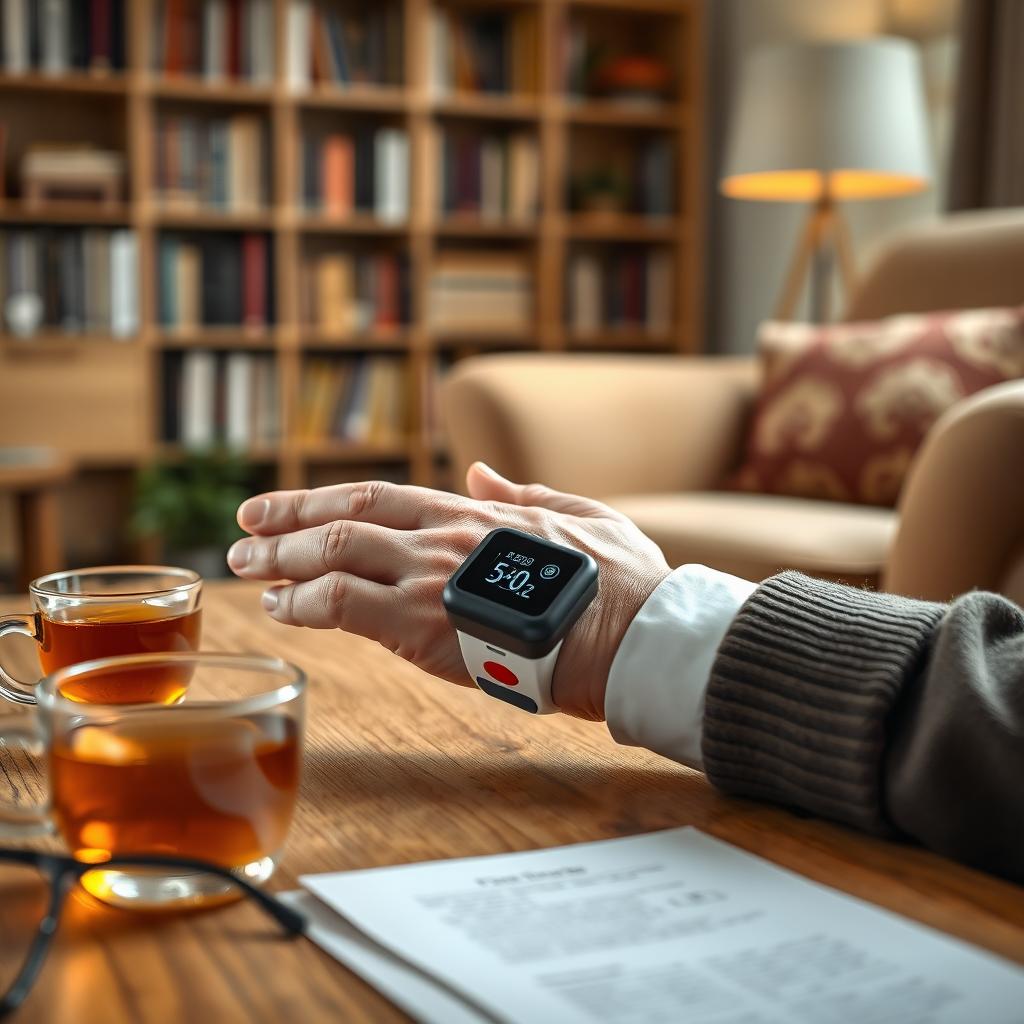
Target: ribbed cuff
801,690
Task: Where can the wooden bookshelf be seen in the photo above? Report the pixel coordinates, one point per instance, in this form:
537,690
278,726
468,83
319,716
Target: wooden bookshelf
136,97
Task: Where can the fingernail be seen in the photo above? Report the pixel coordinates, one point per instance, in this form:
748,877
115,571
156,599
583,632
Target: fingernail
253,512
487,471
269,600
239,554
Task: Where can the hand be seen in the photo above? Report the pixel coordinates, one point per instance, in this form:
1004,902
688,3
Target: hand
373,558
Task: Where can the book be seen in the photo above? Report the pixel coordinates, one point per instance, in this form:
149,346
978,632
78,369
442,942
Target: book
254,280
239,399
214,39
626,289
212,397
124,292
221,281
654,179
102,31
346,293
261,39
15,36
167,281
210,162
495,176
489,51
471,291
265,415
335,294
217,279
658,299
338,176
198,399
188,275
339,48
297,45
364,177
56,40
391,175
585,294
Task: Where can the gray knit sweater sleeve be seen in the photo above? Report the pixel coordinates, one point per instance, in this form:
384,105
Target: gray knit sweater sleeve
895,716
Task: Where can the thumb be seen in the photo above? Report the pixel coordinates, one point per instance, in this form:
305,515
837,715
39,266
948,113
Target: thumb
484,484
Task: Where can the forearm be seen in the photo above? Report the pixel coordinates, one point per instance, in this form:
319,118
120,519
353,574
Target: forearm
891,715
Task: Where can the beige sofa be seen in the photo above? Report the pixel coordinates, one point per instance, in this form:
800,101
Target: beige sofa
654,436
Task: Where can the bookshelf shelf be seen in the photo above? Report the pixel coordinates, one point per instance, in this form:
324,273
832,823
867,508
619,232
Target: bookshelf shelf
622,228
313,340
377,270
475,227
484,338
357,98
322,224
506,107
80,84
55,211
217,338
258,454
56,343
197,90
619,115
345,451
205,219
649,6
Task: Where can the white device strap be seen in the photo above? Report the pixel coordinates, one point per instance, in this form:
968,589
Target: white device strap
522,682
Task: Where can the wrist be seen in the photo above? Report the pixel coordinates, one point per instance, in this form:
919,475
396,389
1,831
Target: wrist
580,679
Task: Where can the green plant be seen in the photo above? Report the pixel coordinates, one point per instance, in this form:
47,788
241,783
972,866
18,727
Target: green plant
191,504
602,185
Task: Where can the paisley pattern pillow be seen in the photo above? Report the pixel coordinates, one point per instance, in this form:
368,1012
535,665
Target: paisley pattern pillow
844,407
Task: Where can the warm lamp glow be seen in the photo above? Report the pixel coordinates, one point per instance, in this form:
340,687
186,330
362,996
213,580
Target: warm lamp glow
848,114
804,186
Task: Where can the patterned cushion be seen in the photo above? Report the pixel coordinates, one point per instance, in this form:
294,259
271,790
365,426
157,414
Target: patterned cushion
843,407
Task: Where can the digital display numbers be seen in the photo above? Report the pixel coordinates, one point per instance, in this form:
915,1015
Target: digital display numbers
523,575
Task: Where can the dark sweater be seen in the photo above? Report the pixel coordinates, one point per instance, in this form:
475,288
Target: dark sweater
895,716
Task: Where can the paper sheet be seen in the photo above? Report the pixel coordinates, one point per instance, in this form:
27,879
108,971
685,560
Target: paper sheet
419,995
662,928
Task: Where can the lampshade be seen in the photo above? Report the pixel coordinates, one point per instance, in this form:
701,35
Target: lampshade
848,114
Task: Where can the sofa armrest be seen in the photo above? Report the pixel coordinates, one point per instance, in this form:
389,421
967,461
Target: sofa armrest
962,508
600,425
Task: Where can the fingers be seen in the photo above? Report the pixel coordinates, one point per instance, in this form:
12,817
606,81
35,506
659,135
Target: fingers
364,549
371,501
334,601
485,484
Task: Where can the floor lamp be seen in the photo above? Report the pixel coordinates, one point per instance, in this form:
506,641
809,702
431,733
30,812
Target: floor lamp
821,123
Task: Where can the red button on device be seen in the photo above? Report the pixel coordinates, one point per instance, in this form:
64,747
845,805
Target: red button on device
496,670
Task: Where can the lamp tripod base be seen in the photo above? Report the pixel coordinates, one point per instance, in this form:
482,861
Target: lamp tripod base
824,242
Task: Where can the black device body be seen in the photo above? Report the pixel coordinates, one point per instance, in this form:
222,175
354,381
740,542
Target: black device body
487,596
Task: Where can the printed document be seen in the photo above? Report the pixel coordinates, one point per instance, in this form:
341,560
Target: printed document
661,928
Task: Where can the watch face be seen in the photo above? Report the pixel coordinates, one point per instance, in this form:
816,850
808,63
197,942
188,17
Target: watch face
519,573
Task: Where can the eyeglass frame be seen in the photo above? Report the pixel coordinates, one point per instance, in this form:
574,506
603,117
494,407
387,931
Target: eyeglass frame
63,872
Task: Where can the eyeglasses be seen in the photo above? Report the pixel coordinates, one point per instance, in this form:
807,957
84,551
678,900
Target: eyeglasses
32,890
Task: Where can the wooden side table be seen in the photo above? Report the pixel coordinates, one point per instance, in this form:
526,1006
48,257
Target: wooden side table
34,477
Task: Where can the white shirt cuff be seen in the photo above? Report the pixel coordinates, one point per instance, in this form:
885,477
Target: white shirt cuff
656,687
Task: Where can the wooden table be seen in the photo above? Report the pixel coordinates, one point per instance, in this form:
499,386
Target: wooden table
401,767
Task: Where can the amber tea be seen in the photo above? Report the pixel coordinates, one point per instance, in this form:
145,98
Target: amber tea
183,785
211,777
109,630
81,615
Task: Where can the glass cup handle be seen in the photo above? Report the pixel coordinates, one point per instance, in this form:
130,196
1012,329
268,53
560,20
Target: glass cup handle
16,821
11,688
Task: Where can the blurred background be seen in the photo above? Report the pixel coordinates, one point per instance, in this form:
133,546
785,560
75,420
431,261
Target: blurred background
242,244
